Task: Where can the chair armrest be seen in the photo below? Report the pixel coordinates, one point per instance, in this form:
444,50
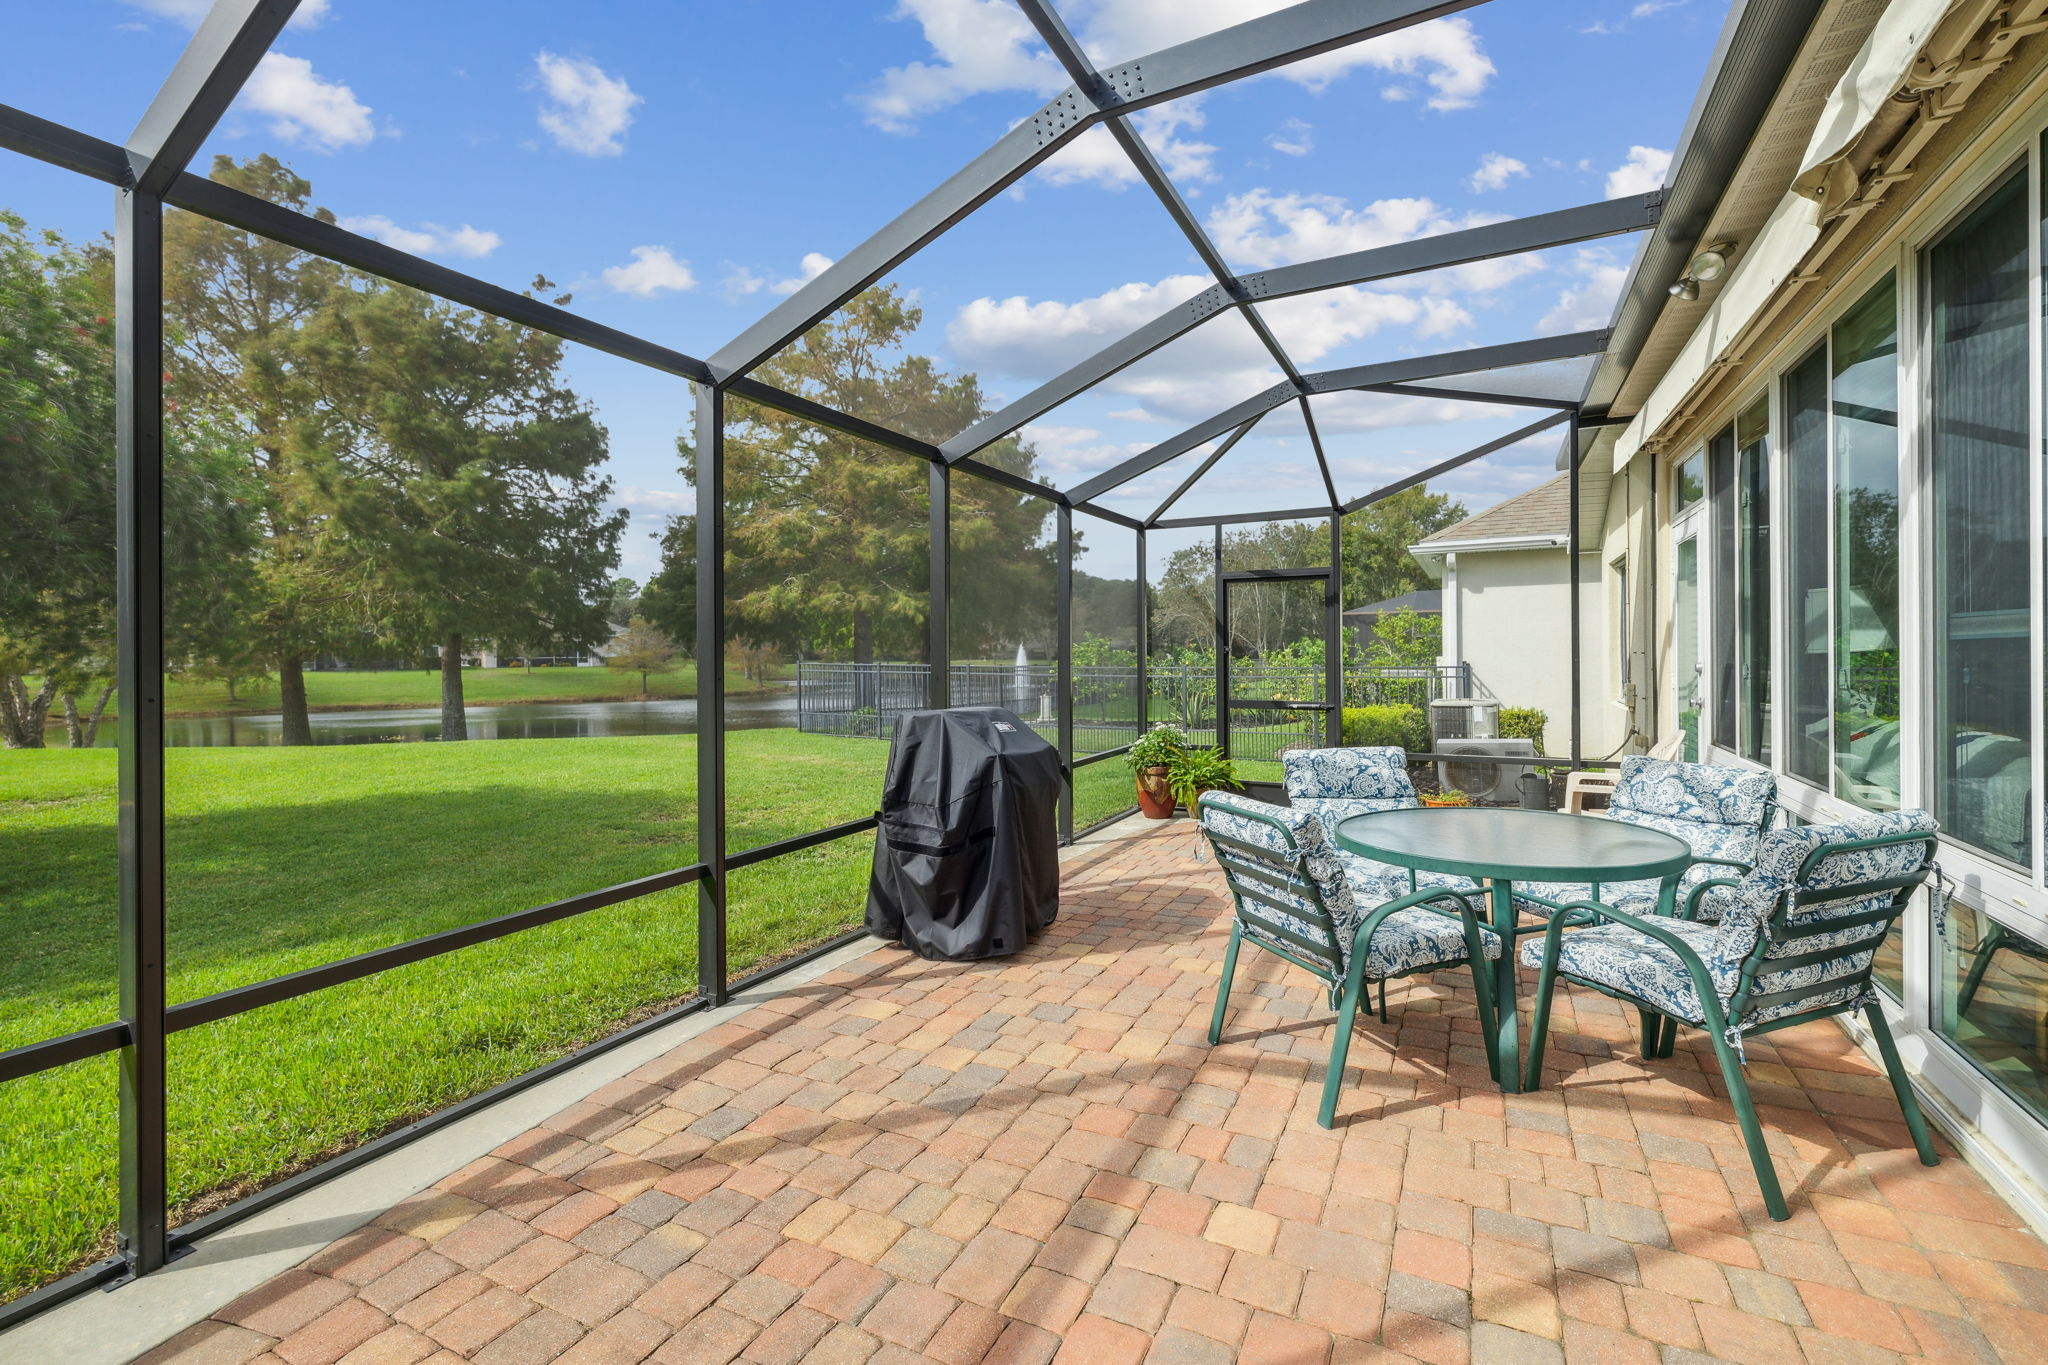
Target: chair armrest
1702,980
1736,863
1692,897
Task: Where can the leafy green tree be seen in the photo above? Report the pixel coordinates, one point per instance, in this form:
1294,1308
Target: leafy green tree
460,475
1406,638
1377,564
640,648
670,597
57,570
827,545
235,304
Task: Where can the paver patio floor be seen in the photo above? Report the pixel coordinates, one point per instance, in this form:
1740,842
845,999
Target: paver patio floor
1041,1158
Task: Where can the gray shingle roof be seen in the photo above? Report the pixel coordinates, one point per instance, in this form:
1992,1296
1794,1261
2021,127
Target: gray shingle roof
1542,511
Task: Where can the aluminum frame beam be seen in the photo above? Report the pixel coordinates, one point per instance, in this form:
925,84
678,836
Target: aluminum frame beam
1514,437
1529,352
1258,45
1587,222
231,40
1208,464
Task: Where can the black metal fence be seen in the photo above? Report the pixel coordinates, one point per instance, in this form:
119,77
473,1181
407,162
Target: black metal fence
863,700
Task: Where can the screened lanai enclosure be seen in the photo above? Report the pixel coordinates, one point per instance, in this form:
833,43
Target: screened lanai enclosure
349,494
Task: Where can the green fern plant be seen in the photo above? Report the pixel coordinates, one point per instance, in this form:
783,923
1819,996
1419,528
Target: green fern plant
1191,772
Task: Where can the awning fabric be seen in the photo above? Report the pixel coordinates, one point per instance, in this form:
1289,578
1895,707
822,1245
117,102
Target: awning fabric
1876,74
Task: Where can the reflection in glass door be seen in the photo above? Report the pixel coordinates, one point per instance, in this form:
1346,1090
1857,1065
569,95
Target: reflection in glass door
1685,625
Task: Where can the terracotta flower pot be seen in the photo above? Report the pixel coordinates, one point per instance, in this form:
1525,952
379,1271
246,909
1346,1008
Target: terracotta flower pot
1154,799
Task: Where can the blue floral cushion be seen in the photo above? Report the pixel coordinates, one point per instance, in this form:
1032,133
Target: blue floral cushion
1630,961
1377,773
1407,940
1627,960
1717,811
1708,793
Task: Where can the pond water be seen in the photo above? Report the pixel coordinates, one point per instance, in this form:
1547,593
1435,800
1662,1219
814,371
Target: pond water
538,720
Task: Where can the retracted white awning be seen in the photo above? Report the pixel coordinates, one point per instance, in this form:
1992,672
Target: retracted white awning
1878,72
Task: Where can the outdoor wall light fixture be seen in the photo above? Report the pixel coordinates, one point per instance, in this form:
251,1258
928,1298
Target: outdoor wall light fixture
1706,267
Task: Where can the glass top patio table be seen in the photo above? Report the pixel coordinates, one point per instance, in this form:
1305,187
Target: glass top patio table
1507,846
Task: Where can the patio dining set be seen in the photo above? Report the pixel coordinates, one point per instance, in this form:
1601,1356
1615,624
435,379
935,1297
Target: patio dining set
1684,902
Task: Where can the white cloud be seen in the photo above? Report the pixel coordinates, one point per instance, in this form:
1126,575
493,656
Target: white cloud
1204,369
1295,138
980,45
428,239
586,111
1444,54
1262,228
809,268
190,12
1588,303
740,281
1642,172
1495,171
653,271
1096,156
1069,452
303,107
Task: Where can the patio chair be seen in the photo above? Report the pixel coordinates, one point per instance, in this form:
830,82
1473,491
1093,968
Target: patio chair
1720,812
1795,941
1336,784
1293,898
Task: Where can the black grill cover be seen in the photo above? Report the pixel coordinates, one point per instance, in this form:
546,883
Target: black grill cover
967,858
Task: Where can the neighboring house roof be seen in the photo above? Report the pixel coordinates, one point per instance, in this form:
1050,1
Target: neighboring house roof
1528,520
1429,601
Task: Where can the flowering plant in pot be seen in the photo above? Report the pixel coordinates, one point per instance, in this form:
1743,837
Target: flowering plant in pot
1450,796
1149,761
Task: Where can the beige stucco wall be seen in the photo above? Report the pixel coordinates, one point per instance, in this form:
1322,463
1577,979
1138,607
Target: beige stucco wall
1514,627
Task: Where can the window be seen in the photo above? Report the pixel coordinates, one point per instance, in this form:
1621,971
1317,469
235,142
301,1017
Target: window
1992,1002
1622,627
1866,588
1721,615
1753,457
1806,588
1978,575
1685,626
1691,484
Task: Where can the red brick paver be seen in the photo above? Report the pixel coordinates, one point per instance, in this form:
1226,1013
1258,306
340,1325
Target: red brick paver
1041,1158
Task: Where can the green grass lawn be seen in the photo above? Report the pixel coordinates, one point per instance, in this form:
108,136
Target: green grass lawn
281,859
422,687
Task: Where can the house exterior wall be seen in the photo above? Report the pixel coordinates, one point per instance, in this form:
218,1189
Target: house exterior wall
1513,625
1917,736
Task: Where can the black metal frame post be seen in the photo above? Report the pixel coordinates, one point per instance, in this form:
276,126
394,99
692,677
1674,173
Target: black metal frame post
1144,640
938,691
1333,646
1222,646
139,678
711,959
1063,668
1572,554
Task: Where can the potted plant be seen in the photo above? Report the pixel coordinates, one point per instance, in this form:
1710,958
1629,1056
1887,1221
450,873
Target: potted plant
1450,796
1191,772
1148,761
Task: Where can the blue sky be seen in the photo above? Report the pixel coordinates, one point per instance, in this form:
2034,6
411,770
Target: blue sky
677,165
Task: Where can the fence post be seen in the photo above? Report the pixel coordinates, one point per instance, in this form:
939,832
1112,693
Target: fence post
139,678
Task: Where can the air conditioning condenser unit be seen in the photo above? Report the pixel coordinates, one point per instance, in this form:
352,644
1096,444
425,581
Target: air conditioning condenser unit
1478,778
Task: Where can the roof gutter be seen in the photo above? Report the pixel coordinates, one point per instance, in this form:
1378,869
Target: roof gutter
1554,541
1756,49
